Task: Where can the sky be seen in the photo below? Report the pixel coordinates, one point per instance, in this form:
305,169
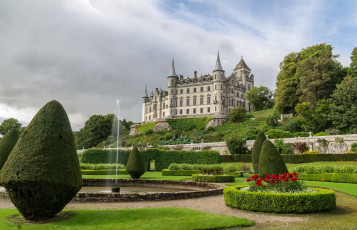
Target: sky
88,53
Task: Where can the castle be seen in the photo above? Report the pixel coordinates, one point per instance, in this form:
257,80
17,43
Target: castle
208,95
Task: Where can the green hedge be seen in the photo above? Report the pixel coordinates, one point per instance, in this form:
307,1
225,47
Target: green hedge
187,124
103,172
320,201
212,178
162,158
295,159
330,177
166,172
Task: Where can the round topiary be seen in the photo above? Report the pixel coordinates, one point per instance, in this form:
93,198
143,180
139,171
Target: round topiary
270,161
135,166
258,143
7,143
42,172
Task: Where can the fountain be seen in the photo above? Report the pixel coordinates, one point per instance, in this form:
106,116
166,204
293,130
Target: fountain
116,188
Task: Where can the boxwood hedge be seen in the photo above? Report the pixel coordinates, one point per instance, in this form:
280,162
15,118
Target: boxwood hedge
295,159
212,178
167,172
162,158
103,172
330,177
320,201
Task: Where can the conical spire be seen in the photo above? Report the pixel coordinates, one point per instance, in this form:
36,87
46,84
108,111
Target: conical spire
218,64
172,70
146,91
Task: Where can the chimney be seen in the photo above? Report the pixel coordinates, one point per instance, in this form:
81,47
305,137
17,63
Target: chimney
195,73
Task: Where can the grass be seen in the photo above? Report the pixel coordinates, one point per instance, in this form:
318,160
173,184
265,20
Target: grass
146,175
263,114
143,218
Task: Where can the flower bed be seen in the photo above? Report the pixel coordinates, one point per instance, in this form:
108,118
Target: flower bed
319,200
212,178
167,172
331,177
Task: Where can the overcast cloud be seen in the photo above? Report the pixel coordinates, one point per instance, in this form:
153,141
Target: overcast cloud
88,53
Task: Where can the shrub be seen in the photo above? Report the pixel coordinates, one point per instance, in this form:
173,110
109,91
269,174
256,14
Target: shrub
7,143
162,158
149,131
312,152
167,172
199,167
101,166
236,145
142,128
294,125
238,114
319,201
187,124
321,134
281,147
278,133
42,172
301,146
270,161
168,136
212,178
135,166
104,172
258,143
354,147
311,169
331,177
301,134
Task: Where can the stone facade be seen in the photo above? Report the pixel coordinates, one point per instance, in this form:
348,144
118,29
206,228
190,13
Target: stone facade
208,95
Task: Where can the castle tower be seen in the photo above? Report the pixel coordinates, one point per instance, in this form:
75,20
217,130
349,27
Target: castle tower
172,79
242,72
144,99
218,78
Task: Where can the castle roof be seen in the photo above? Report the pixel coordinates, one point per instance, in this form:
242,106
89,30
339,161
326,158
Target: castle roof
146,92
242,65
218,66
172,70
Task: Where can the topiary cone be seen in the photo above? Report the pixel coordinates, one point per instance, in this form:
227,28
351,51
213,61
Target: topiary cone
270,161
42,172
135,166
7,143
258,143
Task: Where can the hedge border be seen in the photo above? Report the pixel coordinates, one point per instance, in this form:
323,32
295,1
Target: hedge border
321,201
212,178
103,172
330,177
294,158
167,172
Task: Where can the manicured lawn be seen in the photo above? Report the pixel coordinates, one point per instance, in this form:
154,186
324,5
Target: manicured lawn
342,187
143,218
147,175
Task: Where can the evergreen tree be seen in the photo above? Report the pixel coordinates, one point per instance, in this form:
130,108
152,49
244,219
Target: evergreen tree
7,143
260,98
258,143
270,161
352,70
135,165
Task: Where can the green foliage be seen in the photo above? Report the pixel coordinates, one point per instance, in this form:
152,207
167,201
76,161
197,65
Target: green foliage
237,158
321,134
352,70
272,121
149,131
354,147
212,178
104,172
278,133
101,166
7,143
142,128
270,161
319,201
9,124
163,158
331,177
199,167
186,124
344,108
258,143
177,141
281,147
168,172
301,134
135,165
42,172
294,125
260,98
312,169
237,114
236,145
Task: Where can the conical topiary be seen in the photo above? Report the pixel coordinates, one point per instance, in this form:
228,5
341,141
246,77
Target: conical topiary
270,161
135,166
258,143
7,143
42,172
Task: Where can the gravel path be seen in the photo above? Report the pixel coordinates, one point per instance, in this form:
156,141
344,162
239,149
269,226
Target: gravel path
213,204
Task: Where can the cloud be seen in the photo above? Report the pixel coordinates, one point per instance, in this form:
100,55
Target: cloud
88,53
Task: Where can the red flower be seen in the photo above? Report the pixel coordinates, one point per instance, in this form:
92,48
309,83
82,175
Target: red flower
294,179
259,182
267,176
295,174
286,179
255,177
290,175
249,179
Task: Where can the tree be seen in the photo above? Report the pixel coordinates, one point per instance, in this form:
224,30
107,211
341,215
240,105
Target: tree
257,147
318,77
135,166
352,70
288,82
97,129
42,174
260,98
7,143
344,107
8,124
237,114
270,161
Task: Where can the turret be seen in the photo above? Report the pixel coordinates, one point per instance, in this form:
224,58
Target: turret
172,79
145,97
218,77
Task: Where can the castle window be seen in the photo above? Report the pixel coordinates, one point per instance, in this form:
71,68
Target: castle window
188,101
208,100
215,108
201,110
201,89
163,114
194,90
188,90
194,101
172,82
248,87
215,86
209,88
201,100
181,91
150,109
181,102
187,111
208,110
194,110
149,117
155,107
180,111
